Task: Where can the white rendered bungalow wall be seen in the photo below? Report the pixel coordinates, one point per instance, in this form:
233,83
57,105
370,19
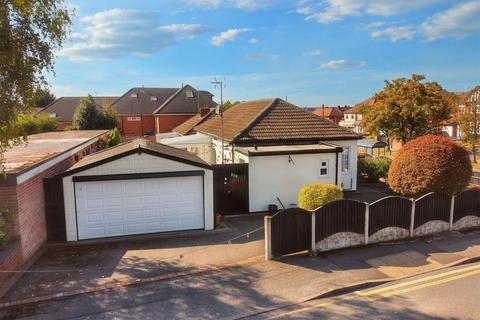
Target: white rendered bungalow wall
135,163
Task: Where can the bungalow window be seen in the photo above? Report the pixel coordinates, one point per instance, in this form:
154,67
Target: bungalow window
324,168
346,159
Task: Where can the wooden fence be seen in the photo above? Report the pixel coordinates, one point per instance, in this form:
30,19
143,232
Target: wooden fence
346,223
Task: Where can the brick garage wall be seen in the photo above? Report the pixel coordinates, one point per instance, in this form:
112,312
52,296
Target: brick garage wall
137,128
166,123
10,259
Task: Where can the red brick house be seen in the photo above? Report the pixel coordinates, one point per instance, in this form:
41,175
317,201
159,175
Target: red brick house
329,113
143,111
22,191
146,111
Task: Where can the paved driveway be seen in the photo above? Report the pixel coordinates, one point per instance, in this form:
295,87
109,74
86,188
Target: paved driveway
89,264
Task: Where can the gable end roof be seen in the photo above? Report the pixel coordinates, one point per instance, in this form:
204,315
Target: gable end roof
133,147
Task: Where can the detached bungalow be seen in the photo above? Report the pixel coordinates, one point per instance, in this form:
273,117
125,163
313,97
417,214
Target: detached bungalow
285,147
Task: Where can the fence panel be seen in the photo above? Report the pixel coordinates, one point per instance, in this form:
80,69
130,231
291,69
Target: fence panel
467,203
389,212
291,231
339,216
432,206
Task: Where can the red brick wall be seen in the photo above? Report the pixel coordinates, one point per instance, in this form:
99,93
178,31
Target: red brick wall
136,128
10,259
166,123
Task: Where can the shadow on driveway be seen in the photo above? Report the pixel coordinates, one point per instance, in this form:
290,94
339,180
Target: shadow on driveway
68,267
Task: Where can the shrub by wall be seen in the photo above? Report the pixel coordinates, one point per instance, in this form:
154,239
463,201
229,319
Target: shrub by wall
430,164
315,195
30,124
373,169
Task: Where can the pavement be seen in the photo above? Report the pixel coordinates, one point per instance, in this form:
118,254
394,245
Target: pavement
236,289
370,192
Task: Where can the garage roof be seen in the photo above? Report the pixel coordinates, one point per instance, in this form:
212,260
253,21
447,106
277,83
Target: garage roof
132,147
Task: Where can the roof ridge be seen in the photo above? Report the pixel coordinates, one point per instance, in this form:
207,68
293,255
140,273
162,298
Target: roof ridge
254,120
166,102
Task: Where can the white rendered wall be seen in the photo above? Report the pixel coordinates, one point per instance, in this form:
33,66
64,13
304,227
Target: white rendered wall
274,176
136,163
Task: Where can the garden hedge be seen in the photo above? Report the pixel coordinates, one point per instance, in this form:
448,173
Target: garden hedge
430,164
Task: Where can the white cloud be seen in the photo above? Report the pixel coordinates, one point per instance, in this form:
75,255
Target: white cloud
229,35
456,22
394,33
251,4
335,10
203,3
313,53
342,64
253,41
118,33
375,24
305,10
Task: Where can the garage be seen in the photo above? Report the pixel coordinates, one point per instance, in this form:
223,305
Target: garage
139,187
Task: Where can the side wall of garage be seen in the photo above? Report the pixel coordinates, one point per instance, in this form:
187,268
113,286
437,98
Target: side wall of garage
135,163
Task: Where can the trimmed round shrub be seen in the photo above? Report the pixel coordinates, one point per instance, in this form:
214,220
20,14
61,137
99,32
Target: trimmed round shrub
430,164
315,195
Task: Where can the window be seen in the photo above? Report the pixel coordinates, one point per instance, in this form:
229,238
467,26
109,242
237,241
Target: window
134,95
189,94
346,159
324,168
153,98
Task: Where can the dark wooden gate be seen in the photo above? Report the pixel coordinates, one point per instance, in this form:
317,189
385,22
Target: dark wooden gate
231,188
54,209
291,231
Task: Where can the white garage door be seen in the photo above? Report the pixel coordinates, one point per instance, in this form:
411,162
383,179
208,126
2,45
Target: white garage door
126,207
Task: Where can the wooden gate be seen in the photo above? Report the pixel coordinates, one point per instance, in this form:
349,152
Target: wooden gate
231,188
54,209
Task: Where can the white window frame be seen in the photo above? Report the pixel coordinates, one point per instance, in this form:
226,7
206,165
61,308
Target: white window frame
346,151
326,167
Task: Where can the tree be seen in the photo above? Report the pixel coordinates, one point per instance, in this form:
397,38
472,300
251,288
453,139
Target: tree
431,163
115,138
31,33
469,121
41,98
86,116
407,108
36,123
110,118
228,104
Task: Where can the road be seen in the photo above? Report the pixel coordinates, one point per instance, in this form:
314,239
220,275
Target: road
452,293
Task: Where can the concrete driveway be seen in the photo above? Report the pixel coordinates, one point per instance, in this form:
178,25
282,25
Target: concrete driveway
68,267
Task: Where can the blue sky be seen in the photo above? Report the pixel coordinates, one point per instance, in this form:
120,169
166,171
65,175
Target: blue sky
311,51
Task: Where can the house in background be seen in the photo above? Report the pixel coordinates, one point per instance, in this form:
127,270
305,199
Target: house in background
331,113
283,146
148,111
143,111
353,118
63,108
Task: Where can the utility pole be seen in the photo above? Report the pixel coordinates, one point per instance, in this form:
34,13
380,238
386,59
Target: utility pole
222,85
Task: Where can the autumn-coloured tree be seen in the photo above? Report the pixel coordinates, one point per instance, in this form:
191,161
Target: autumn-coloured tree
469,121
430,163
407,108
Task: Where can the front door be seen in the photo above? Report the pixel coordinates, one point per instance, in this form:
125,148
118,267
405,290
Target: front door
347,177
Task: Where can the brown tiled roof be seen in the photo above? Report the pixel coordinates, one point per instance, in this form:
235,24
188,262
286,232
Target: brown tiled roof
356,109
273,121
64,107
187,127
135,146
328,112
168,101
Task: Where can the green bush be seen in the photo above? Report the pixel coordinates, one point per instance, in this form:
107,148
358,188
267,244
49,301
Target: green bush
373,169
88,117
315,195
115,138
36,123
110,118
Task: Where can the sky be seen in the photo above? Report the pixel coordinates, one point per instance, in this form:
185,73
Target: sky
311,52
